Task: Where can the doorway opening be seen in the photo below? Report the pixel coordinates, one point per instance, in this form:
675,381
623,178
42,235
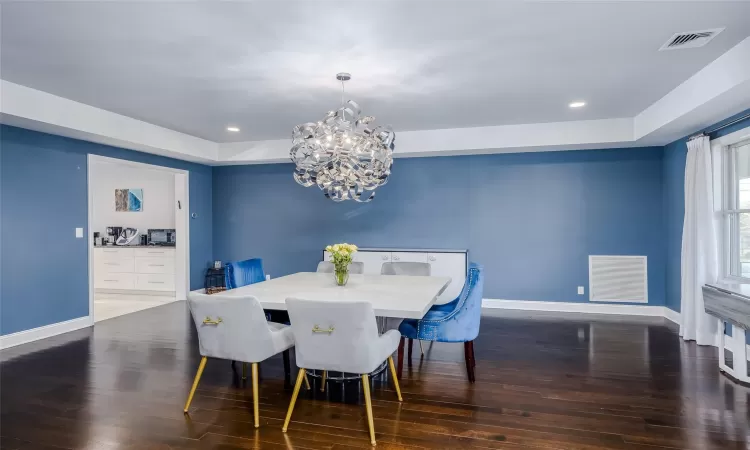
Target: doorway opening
138,224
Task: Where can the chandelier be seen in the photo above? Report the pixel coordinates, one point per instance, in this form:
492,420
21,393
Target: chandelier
341,154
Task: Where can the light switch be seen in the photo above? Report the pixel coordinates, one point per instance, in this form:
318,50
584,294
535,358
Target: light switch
79,232
580,290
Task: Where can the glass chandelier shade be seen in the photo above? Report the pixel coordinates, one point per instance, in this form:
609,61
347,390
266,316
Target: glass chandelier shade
342,154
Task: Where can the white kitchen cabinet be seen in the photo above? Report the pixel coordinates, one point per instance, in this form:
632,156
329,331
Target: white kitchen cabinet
115,253
151,264
114,280
124,264
448,263
154,252
154,282
135,268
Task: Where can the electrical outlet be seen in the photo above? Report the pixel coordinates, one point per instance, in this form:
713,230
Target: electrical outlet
580,290
79,232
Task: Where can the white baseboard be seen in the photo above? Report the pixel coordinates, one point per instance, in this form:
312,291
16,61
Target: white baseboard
583,308
34,334
672,315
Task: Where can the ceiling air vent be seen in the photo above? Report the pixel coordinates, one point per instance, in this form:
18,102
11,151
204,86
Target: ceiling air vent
691,39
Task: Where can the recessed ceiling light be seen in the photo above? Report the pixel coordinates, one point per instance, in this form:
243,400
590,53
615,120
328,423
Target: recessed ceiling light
577,104
233,129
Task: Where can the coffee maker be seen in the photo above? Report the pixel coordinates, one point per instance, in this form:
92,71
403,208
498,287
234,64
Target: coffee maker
112,234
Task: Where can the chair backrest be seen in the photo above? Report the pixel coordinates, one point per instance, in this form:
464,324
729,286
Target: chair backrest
406,268
242,273
468,311
356,268
328,267
473,292
325,267
457,321
332,335
231,328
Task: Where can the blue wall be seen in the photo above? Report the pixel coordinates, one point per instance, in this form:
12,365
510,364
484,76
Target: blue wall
675,155
532,219
43,189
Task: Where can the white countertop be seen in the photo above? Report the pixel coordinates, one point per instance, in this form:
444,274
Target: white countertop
405,297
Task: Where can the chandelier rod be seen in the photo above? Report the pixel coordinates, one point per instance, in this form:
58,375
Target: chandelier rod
343,77
342,92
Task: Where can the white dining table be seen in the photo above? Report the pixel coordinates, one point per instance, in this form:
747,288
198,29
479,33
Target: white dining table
399,296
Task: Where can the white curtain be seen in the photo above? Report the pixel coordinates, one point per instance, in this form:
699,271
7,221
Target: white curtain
700,261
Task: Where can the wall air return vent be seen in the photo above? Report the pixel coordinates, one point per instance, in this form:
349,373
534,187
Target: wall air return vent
691,39
618,279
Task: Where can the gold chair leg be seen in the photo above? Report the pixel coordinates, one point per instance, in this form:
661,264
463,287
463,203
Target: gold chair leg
323,381
395,378
307,382
244,371
297,385
368,404
254,369
201,366
421,349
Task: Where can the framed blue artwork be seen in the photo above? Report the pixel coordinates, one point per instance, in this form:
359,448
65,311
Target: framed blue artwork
129,200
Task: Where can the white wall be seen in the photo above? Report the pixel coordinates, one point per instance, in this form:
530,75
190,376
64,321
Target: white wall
158,197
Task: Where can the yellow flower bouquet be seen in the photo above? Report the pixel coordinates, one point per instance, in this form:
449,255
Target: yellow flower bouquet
341,255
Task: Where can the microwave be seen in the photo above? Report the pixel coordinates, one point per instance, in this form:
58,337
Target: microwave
165,237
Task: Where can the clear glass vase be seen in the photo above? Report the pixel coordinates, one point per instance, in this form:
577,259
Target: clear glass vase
341,276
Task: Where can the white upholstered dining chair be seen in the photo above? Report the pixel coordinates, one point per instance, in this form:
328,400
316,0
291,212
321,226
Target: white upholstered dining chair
414,269
328,267
236,329
343,337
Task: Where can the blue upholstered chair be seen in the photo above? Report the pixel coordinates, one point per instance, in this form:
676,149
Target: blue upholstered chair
457,321
250,271
242,273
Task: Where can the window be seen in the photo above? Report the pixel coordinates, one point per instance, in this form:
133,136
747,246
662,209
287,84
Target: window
736,201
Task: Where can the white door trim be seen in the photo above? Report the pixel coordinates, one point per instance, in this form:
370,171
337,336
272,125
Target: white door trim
90,234
182,227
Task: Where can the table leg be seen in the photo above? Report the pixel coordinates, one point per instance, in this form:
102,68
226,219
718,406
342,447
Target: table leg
287,369
400,357
408,358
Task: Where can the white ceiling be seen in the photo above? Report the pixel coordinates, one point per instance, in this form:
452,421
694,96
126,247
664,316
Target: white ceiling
265,66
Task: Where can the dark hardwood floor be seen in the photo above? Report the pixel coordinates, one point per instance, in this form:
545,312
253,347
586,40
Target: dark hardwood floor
540,383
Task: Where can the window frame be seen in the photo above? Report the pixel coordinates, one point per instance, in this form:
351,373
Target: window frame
726,188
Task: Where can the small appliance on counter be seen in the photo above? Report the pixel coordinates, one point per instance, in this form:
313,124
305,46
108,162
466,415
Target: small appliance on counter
126,236
163,236
112,234
144,239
